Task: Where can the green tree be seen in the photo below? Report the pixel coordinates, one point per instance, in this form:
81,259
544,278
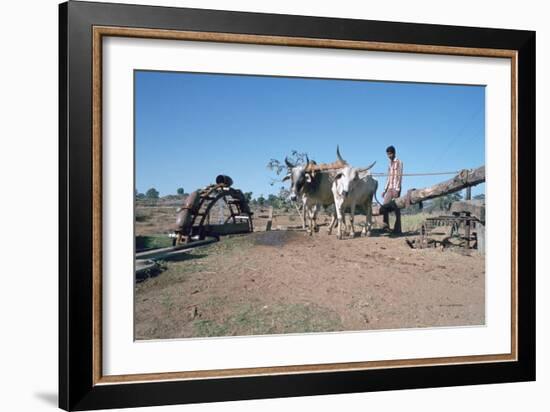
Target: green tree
180,191
138,195
261,200
273,200
248,196
152,193
284,198
279,166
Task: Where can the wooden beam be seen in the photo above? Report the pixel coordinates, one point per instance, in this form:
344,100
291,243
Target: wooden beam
465,178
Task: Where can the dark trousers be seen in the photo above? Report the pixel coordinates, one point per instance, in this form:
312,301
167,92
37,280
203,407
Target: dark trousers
387,207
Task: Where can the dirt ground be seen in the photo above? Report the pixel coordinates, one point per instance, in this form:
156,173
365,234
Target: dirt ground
288,282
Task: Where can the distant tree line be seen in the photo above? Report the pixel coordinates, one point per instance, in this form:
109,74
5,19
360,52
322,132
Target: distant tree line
153,194
277,201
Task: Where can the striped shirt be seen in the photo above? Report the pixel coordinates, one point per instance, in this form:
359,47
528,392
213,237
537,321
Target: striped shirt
395,173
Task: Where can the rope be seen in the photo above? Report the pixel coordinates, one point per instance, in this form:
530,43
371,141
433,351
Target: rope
418,174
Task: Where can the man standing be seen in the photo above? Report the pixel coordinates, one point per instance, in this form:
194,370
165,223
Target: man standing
392,190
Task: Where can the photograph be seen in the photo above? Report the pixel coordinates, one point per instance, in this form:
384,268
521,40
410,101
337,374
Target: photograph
256,205
271,205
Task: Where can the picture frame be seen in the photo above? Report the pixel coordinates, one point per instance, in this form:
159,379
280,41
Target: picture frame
82,28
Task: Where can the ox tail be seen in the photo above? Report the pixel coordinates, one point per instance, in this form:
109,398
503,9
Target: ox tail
376,190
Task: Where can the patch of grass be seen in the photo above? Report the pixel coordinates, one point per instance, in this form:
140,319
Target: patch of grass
209,328
185,263
229,244
166,301
258,319
174,270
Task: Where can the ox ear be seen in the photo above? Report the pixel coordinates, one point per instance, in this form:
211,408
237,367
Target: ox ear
309,177
286,178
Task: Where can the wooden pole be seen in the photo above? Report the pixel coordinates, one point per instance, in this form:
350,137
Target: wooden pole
269,220
465,178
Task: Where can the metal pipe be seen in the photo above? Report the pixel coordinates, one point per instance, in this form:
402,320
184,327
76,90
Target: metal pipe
167,251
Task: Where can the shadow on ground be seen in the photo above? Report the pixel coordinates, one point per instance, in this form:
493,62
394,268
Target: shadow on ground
49,398
182,257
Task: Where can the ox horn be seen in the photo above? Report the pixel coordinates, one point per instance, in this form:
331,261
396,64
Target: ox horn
288,164
307,159
338,155
364,169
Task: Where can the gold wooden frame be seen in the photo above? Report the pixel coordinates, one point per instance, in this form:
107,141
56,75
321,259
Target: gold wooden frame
101,31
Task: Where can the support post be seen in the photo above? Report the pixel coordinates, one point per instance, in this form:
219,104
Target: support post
269,220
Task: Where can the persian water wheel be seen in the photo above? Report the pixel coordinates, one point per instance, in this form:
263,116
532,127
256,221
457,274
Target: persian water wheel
215,210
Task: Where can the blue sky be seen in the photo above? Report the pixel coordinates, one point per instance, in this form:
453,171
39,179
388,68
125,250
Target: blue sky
190,127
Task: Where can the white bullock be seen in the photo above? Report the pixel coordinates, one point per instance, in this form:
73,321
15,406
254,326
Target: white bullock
352,187
312,184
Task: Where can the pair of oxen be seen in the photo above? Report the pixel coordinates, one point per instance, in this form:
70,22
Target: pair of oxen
338,184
